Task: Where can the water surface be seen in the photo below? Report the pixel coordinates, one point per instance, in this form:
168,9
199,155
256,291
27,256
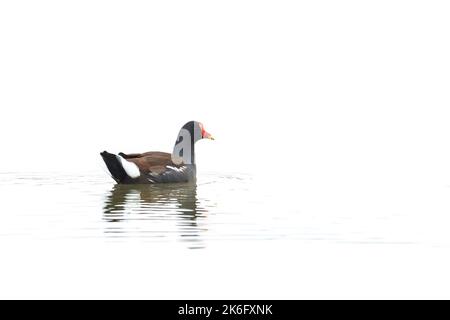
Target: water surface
217,209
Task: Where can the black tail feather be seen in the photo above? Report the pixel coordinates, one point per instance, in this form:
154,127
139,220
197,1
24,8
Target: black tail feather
114,166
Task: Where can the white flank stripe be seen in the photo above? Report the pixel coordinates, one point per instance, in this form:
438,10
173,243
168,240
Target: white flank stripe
130,168
174,168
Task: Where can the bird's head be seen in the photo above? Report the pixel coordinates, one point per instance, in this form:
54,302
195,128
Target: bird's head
204,134
190,133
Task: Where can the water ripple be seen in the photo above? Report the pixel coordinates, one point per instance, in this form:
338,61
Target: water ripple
218,208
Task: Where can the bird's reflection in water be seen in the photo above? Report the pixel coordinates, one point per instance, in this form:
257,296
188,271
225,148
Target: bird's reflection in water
155,212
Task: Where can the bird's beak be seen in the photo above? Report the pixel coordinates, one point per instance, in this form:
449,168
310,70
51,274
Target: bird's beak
207,135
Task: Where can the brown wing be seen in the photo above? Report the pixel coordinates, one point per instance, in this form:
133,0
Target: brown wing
153,161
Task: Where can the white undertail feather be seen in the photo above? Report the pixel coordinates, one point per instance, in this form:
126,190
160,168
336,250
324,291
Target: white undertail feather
130,168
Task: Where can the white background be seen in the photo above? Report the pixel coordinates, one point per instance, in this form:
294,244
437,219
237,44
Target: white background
336,93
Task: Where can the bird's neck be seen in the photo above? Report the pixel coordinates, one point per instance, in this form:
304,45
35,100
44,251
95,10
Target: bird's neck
184,150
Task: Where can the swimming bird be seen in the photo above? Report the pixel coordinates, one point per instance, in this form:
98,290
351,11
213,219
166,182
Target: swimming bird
159,167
